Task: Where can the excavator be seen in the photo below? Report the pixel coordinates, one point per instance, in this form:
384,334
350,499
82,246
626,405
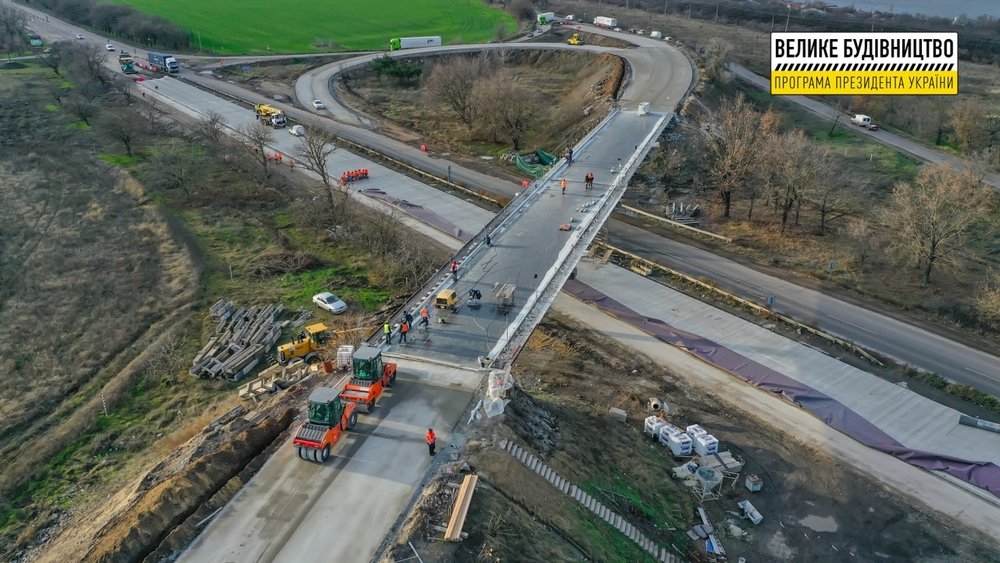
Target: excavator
329,417
575,39
371,378
270,116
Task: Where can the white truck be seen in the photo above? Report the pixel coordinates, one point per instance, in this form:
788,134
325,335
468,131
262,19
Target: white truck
601,21
656,35
546,18
397,43
864,121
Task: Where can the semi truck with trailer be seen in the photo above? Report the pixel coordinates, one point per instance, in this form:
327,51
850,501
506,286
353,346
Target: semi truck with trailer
162,62
601,21
397,43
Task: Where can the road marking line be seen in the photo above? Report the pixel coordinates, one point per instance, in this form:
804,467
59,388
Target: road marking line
986,375
868,330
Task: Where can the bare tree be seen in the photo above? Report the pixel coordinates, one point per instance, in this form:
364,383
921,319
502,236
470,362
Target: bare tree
123,127
861,232
931,216
82,107
12,29
255,138
54,56
988,300
833,201
177,165
121,89
86,63
734,145
211,127
797,166
453,83
717,52
506,107
315,149
967,120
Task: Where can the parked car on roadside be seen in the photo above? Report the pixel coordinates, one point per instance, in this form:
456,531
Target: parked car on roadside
318,104
330,302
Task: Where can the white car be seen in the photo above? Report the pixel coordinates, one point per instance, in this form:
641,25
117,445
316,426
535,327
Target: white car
297,130
330,302
318,104
109,47
79,36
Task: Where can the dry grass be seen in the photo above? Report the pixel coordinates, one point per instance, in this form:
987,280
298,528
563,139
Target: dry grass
569,78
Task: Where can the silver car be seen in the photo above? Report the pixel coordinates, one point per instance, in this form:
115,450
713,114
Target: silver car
318,104
330,302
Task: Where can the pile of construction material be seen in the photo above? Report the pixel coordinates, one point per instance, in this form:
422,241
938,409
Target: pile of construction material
276,378
243,338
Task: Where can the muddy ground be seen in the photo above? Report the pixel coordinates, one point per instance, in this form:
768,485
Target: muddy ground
814,507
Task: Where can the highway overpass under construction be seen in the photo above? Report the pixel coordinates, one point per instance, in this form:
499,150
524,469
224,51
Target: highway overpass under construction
536,241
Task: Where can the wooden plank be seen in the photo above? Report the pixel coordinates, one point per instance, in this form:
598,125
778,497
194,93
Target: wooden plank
461,509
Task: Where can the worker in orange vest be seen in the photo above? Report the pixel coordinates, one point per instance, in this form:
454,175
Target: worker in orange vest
431,440
563,184
425,316
403,329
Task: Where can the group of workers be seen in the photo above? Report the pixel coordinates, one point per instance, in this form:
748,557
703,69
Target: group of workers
353,176
406,325
588,182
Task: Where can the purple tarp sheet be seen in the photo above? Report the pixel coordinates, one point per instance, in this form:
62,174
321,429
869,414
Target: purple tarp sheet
982,474
420,212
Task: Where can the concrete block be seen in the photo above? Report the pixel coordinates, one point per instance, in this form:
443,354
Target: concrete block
504,444
564,487
574,491
634,534
521,455
618,521
532,463
617,414
621,526
663,553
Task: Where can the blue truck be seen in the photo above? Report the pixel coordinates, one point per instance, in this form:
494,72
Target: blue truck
162,62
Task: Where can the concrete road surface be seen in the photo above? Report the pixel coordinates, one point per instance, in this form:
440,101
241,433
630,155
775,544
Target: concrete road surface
898,339
290,510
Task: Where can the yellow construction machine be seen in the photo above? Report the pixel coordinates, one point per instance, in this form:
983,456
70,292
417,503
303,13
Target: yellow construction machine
575,39
306,345
270,116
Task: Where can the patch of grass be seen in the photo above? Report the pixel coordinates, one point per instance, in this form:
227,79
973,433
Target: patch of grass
51,107
77,126
254,26
122,160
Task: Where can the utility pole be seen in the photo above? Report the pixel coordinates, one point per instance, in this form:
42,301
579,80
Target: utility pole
664,6
788,17
716,12
772,23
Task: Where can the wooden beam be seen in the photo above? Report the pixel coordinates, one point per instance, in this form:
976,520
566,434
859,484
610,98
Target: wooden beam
461,508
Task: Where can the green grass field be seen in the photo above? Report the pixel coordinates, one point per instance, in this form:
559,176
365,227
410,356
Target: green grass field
227,27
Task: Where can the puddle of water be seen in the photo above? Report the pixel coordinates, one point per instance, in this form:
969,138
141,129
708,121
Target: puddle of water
819,523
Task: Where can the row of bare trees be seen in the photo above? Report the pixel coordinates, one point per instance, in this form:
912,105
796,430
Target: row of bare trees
482,92
925,222
122,20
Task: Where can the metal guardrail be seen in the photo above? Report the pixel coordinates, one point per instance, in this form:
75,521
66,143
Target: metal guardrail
676,224
509,345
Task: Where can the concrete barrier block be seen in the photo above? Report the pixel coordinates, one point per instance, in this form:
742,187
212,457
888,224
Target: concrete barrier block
617,414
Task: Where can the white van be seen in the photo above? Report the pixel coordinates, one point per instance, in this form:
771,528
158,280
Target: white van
656,35
861,120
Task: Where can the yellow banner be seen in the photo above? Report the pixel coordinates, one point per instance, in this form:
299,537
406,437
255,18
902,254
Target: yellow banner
848,83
